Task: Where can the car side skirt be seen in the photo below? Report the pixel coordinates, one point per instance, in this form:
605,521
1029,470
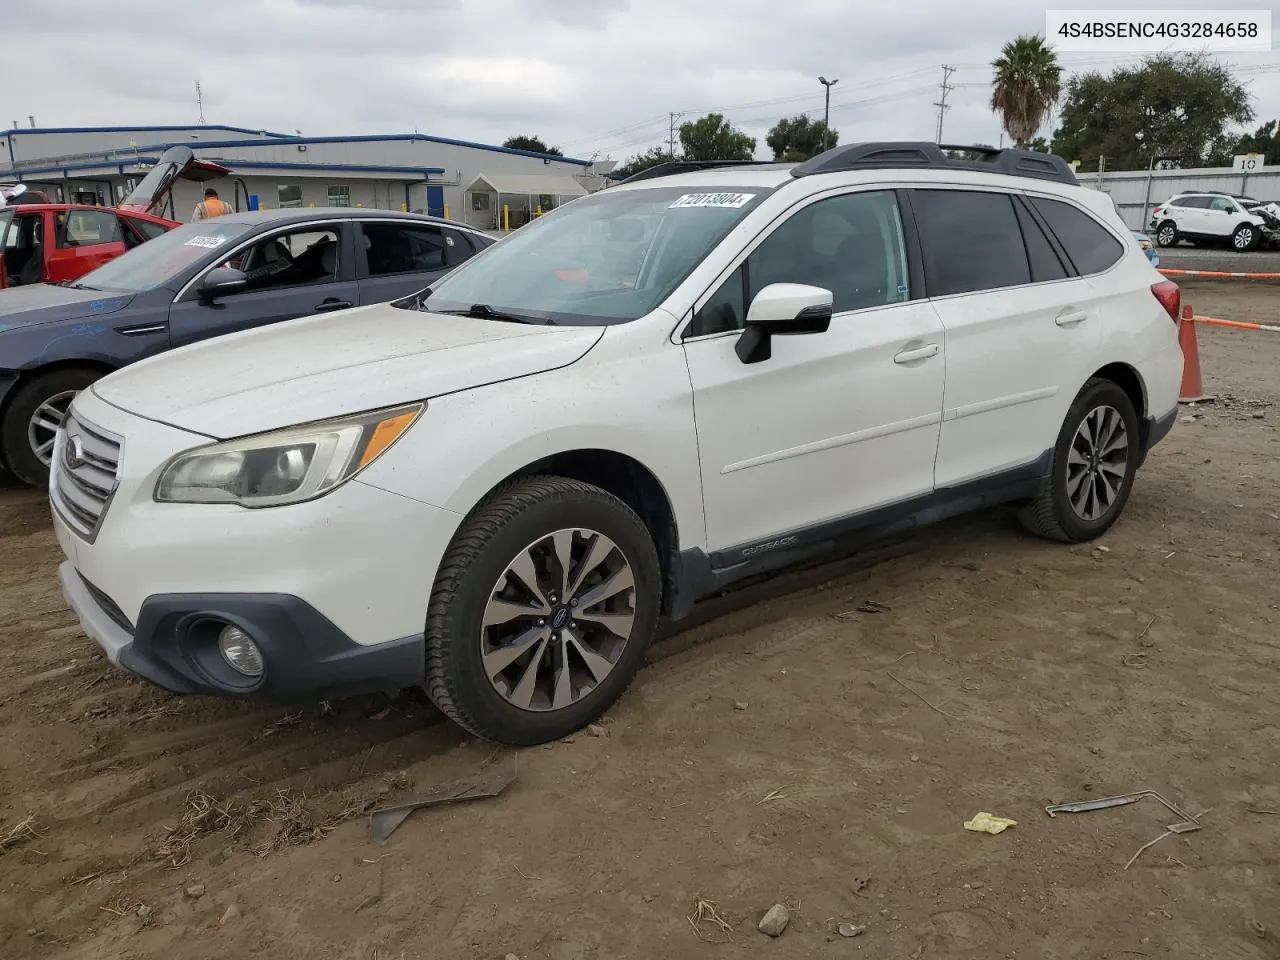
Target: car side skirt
701,575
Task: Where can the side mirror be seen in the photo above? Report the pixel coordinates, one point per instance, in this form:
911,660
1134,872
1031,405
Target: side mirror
783,309
221,281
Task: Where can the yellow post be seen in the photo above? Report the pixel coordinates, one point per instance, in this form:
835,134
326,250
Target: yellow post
538,212
506,218
404,208
311,204
359,204
446,211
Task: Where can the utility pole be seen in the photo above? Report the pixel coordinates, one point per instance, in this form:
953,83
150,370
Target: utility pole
671,133
826,113
200,103
941,102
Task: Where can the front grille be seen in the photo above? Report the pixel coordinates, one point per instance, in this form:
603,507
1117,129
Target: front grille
83,474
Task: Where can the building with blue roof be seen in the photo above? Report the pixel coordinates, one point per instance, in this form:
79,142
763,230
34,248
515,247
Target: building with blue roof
460,179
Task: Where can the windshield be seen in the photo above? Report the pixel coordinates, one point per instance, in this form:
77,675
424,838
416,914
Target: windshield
158,262
609,257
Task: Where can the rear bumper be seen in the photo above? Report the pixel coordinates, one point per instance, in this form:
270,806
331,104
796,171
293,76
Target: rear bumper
174,645
1156,429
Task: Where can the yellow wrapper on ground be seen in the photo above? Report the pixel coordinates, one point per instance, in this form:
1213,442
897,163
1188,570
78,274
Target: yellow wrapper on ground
989,823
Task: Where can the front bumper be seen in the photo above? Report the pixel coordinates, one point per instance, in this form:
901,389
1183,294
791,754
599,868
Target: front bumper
305,657
334,591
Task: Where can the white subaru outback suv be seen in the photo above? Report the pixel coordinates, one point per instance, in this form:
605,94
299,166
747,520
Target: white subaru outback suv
1211,218
495,488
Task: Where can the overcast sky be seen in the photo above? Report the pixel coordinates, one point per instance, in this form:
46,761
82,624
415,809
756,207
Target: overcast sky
587,75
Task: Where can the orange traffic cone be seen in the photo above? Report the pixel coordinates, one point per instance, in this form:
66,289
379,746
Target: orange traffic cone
1192,390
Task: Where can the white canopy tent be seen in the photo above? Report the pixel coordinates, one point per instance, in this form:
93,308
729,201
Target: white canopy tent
525,194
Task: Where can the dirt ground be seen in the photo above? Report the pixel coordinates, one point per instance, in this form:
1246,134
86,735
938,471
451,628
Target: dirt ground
788,747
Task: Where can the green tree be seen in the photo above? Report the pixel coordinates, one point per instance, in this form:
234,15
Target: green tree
1264,140
794,139
642,161
715,138
1027,83
1177,106
522,141
1038,144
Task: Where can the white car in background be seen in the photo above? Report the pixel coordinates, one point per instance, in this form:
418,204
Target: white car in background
1210,218
496,488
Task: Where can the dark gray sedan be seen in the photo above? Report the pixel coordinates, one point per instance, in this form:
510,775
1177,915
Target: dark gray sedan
198,281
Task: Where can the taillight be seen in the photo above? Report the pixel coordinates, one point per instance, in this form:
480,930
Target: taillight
1170,296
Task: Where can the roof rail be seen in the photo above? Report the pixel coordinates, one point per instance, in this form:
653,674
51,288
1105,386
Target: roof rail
913,154
673,167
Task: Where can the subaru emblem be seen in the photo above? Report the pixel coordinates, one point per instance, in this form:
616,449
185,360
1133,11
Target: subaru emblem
74,454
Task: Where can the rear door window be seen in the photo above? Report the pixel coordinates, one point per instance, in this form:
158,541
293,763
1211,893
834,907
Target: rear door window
971,241
1091,247
87,228
403,248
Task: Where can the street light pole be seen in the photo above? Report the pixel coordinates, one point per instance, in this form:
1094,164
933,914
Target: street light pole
826,116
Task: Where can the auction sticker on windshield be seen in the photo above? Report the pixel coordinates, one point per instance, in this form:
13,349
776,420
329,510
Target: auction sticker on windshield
209,242
734,201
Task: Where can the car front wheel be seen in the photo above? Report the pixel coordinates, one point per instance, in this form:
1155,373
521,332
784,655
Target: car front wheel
32,418
1094,462
1246,237
541,611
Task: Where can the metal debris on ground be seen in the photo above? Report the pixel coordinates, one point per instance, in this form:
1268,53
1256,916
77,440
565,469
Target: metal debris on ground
382,823
847,929
1185,824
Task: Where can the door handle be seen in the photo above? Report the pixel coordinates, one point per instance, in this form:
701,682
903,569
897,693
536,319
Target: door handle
1070,318
917,353
332,303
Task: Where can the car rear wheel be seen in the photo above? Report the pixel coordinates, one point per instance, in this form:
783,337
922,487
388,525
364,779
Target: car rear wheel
541,611
1246,237
32,418
1167,234
1094,462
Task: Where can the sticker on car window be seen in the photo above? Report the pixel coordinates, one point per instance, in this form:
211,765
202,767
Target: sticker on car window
209,242
733,201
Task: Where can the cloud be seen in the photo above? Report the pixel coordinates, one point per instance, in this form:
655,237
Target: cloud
592,76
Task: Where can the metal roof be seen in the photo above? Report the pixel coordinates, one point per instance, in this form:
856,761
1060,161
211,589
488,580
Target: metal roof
528,184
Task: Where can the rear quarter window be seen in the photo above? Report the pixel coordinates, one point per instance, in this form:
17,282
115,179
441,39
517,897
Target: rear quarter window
1090,246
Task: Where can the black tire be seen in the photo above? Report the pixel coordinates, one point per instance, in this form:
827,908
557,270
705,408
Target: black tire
1051,515
15,447
1246,238
1167,234
495,533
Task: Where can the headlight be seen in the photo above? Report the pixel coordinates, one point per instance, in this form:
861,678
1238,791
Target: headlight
287,466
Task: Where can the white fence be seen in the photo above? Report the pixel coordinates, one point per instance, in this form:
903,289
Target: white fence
1136,192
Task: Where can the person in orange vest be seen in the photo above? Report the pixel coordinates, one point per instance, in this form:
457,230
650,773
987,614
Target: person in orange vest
210,206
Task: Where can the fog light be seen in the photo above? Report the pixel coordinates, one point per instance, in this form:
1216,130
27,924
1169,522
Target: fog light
240,652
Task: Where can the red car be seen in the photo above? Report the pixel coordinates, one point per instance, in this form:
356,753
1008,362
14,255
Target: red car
45,242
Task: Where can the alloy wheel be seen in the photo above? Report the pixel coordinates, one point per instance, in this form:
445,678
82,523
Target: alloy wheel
1243,239
1166,236
558,619
42,428
1097,463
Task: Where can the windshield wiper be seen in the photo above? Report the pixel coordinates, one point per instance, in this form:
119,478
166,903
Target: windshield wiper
482,311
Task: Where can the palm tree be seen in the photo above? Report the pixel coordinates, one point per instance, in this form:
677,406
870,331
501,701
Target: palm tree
1028,80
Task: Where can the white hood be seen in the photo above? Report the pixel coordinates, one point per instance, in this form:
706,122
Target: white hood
334,364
